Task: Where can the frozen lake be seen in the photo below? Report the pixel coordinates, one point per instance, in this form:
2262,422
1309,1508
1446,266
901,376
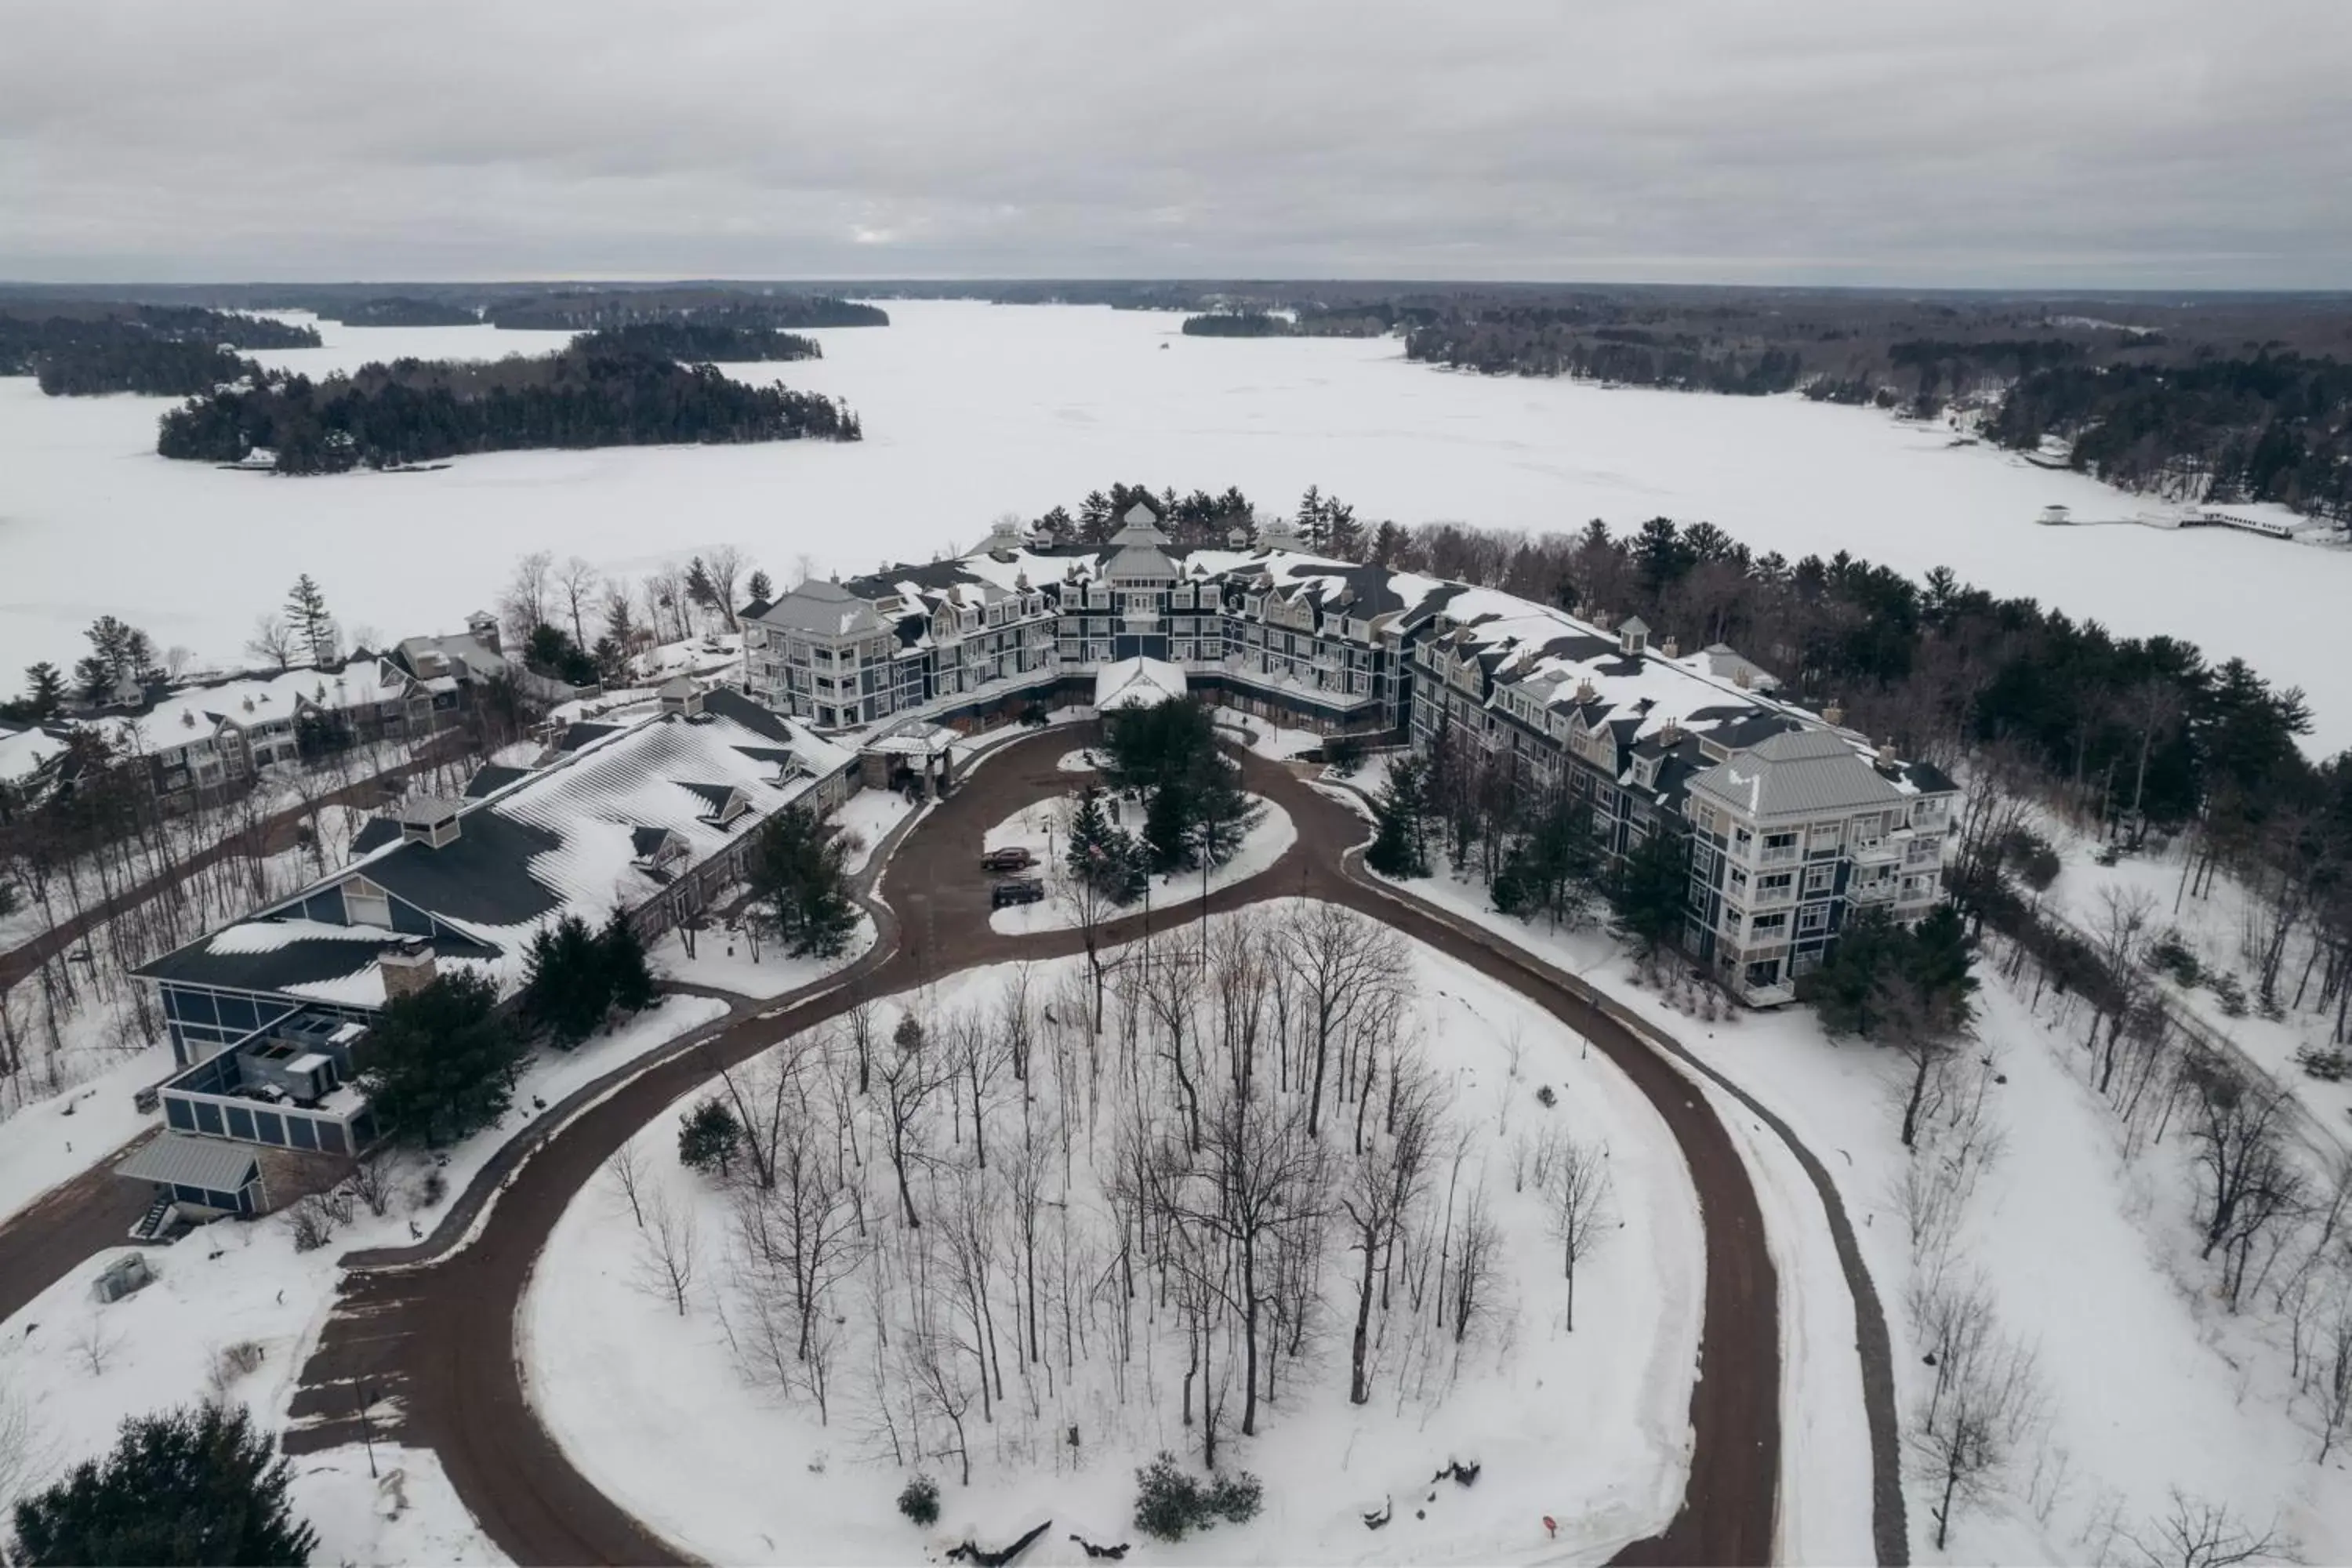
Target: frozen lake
973,410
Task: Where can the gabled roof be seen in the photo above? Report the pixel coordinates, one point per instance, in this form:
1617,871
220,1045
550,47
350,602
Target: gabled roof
822,608
1798,773
562,840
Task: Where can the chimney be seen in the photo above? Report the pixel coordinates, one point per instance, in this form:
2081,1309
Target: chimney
1887,752
1585,690
485,629
1834,714
1671,649
1671,733
1740,675
406,969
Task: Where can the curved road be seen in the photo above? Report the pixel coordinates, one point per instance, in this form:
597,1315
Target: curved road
427,1334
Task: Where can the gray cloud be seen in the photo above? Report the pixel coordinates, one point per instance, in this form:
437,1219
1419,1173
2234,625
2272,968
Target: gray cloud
2156,142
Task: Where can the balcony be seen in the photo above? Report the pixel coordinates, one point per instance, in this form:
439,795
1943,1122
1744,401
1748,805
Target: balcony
1785,854
1881,852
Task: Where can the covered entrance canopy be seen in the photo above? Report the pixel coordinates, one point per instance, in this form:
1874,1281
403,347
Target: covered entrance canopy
1138,683
200,1174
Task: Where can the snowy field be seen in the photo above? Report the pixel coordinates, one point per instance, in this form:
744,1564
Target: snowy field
973,410
670,1412
2090,1257
1044,829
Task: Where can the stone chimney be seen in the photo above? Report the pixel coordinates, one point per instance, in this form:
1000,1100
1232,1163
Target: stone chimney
406,969
1671,733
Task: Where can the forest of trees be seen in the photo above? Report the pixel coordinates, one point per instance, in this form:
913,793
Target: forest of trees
703,342
401,311
1240,324
413,411
2271,427
590,309
161,351
1549,339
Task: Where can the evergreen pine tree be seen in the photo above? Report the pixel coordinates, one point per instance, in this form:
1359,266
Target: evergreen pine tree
761,586
567,987
623,954
441,1061
313,627
797,881
45,691
708,1137
1312,518
1168,828
1652,888
197,1485
1400,845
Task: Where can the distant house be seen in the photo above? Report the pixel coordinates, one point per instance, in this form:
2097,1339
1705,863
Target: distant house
453,669
267,1016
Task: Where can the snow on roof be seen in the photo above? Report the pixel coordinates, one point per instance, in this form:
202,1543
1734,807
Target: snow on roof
1138,683
1799,773
197,710
563,840
25,752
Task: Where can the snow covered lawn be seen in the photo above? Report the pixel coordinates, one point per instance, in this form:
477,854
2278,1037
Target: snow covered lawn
663,1410
1088,760
78,1368
55,1139
723,960
2090,1259
1044,829
871,813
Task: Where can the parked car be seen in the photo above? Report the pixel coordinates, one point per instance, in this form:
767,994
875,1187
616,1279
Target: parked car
1024,892
1016,858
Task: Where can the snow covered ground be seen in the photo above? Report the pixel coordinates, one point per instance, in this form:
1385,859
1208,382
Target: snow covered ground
78,1368
1044,829
724,960
2090,1257
54,1139
1046,403
1590,1427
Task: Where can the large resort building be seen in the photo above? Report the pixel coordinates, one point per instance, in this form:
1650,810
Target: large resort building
1796,823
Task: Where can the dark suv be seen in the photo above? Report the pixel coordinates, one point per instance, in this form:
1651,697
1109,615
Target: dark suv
1016,858
1020,892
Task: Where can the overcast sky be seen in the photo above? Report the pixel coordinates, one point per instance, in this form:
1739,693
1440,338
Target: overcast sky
2058,143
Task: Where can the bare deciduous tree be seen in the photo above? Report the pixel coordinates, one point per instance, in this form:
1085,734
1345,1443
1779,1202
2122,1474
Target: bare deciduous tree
627,1169
669,1247
576,582
273,642
1992,1401
2195,1533
1576,1193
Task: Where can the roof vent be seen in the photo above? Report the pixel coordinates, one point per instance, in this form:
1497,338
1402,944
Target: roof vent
430,821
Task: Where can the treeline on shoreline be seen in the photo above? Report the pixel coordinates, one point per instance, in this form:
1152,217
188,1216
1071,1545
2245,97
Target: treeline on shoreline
172,350
591,393
706,342
593,310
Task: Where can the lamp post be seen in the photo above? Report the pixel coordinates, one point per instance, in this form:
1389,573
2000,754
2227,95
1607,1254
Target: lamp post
362,1398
